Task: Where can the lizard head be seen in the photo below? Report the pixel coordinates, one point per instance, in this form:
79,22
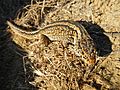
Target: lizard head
88,50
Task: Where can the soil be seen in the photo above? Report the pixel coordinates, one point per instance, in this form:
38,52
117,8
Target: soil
16,59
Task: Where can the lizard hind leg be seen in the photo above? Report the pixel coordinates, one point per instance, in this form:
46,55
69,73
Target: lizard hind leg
44,40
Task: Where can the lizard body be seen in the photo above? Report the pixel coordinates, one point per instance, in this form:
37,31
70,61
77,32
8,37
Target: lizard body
66,31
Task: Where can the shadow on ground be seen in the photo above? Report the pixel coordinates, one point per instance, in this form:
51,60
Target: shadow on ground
102,42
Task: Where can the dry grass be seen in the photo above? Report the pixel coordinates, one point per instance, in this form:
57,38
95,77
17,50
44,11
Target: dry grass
55,67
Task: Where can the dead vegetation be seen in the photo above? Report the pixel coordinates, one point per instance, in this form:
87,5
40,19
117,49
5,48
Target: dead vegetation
55,67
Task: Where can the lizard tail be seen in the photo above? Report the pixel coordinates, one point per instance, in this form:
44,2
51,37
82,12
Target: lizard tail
22,31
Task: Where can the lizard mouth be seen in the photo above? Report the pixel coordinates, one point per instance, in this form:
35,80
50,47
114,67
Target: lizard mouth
90,58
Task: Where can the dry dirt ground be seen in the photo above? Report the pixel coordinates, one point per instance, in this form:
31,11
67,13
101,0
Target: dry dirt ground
22,61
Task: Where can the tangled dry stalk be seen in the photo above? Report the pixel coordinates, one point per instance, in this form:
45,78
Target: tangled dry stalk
55,67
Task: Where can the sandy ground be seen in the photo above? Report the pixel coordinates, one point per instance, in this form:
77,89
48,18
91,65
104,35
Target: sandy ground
96,15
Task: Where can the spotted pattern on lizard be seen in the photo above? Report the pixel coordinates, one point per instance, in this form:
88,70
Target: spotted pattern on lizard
66,31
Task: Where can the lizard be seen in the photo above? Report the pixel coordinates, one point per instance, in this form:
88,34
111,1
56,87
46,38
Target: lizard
67,31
